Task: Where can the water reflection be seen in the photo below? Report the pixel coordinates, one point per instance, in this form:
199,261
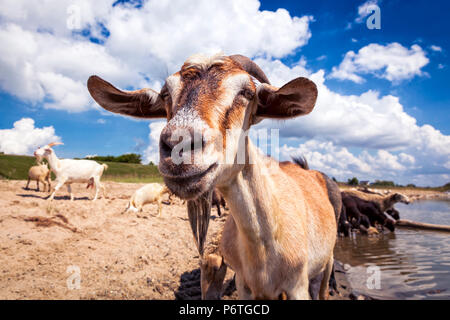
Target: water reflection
413,264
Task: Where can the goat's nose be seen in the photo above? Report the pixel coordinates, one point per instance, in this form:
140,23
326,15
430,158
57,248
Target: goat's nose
187,139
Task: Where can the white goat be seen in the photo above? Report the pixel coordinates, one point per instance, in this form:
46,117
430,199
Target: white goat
68,171
149,193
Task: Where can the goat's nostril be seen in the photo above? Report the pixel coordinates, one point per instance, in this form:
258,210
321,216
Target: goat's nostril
165,147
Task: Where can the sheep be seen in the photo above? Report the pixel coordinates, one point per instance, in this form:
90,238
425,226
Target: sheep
68,171
149,193
40,173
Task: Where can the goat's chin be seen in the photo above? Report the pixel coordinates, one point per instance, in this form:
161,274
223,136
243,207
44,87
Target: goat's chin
190,188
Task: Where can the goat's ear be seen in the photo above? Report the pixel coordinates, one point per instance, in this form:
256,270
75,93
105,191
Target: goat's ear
144,103
296,98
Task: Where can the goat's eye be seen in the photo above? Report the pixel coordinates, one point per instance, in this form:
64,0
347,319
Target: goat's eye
248,94
164,95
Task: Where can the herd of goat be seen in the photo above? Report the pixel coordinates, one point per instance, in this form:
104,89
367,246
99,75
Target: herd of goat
69,171
362,210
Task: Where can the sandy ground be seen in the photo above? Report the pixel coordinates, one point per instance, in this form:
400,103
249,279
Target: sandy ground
119,256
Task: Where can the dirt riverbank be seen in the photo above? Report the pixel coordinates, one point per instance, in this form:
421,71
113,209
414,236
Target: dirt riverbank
46,247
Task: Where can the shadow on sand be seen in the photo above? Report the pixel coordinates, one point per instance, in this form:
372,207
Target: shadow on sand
46,197
189,288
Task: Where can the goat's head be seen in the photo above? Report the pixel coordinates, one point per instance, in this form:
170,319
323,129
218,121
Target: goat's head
213,274
209,105
45,151
398,197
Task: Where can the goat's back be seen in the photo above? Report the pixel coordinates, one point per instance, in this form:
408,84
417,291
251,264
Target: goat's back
36,172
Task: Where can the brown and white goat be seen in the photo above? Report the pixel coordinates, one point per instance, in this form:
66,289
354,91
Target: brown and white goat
283,227
384,202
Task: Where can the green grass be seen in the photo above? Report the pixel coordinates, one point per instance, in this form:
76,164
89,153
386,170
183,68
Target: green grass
16,168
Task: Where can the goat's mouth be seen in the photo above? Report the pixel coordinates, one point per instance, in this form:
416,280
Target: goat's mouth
190,186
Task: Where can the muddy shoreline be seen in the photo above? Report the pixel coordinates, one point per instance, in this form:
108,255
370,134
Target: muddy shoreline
119,256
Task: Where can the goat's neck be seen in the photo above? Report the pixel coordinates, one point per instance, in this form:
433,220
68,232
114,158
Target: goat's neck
53,161
253,204
388,202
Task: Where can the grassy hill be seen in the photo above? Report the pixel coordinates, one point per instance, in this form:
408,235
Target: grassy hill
16,168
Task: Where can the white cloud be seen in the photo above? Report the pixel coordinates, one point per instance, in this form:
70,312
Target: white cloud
365,9
101,121
436,48
367,121
152,151
40,68
392,62
339,162
24,137
322,57
45,63
42,61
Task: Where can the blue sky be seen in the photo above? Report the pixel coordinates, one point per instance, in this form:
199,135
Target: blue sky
43,78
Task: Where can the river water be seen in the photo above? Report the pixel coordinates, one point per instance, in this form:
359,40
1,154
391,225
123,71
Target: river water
406,264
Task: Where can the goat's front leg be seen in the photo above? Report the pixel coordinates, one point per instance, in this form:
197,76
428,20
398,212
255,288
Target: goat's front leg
301,290
243,291
59,184
26,188
37,185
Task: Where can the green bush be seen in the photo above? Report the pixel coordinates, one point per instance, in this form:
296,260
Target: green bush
353,181
383,183
125,158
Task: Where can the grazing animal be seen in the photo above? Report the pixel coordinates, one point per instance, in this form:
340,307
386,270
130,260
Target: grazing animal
218,200
359,209
150,193
393,213
385,202
354,215
211,103
40,173
70,171
344,226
